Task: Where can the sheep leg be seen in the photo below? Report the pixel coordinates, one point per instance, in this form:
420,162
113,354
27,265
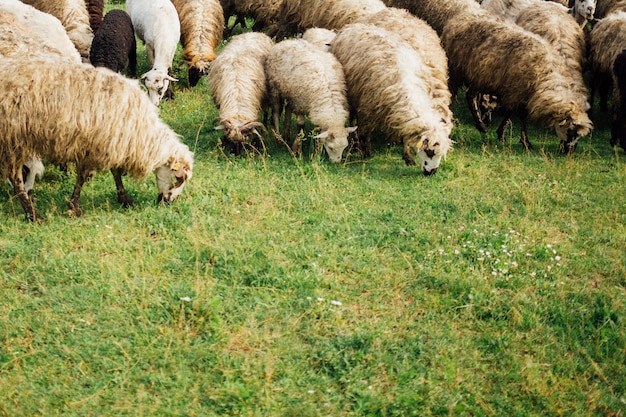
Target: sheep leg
122,197
276,111
82,176
132,59
505,121
524,134
472,101
17,180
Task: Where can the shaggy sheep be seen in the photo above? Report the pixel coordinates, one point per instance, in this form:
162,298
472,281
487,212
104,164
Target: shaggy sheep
60,118
618,126
526,74
423,38
156,23
311,82
114,45
605,7
295,16
581,10
388,86
96,11
263,12
435,12
238,87
48,30
74,16
202,25
319,37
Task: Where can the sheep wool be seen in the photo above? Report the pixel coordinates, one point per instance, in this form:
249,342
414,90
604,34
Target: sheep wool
435,12
96,12
60,118
202,25
319,37
74,17
387,87
508,9
311,82
264,13
114,45
238,86
521,69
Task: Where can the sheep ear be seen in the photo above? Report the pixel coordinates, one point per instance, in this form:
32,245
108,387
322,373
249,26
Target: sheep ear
422,143
219,127
143,77
351,129
322,135
169,77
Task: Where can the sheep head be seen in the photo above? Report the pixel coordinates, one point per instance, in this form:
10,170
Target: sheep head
570,129
240,133
335,140
585,8
172,176
430,148
157,81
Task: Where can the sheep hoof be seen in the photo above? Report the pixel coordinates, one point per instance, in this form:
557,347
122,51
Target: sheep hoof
75,210
35,218
125,200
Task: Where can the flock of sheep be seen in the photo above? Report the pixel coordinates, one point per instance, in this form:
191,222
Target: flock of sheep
387,65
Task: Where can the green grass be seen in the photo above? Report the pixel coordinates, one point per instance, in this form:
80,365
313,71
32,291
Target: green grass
292,287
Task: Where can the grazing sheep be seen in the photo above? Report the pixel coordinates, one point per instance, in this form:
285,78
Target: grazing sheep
618,126
435,12
423,38
114,45
605,7
238,87
508,9
74,16
608,40
60,118
311,82
156,23
581,10
525,72
48,30
263,12
389,89
96,11
295,16
202,26
319,37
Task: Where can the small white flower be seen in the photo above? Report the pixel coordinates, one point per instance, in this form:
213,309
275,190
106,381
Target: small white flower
336,303
320,299
311,392
456,252
558,258
187,299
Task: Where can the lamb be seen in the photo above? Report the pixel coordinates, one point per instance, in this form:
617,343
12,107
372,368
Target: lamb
114,45
264,13
435,12
319,37
311,82
238,87
295,16
48,30
425,41
60,118
521,69
96,13
388,86
202,25
156,23
608,40
74,16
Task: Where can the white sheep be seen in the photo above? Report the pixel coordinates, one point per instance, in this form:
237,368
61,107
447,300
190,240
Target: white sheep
156,23
581,10
295,16
48,30
319,37
74,16
238,87
61,118
202,26
523,70
388,86
311,83
435,12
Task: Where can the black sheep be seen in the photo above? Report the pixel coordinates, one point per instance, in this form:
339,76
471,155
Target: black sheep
618,127
114,44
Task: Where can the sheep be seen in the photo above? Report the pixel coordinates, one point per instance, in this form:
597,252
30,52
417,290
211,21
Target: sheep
319,37
202,26
60,118
48,30
608,40
264,13
581,10
156,23
388,86
96,13
238,87
618,126
114,45
508,9
74,16
605,7
295,16
435,12
311,82
424,39
521,69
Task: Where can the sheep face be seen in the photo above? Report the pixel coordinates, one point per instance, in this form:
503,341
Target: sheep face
157,82
172,176
430,151
585,8
569,131
335,141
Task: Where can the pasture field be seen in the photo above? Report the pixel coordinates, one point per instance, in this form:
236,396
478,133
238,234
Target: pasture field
278,286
